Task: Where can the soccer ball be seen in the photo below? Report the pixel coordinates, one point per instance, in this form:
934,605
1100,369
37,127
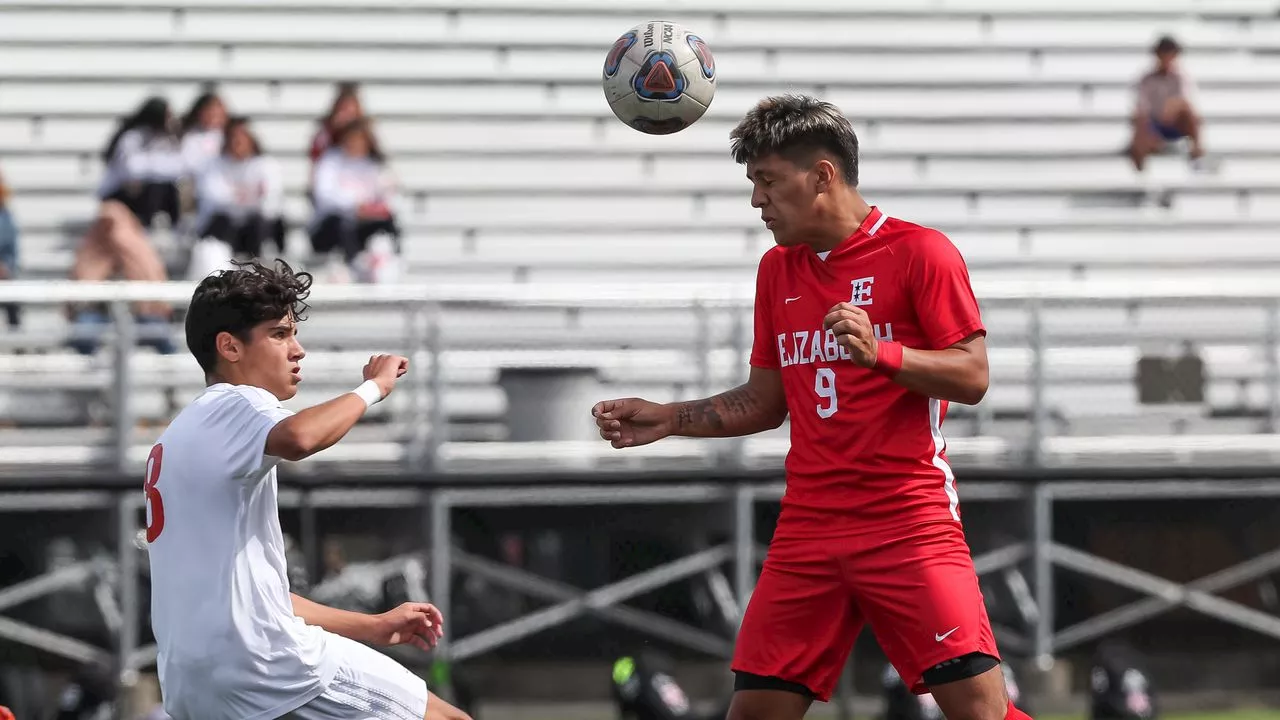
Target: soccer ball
659,78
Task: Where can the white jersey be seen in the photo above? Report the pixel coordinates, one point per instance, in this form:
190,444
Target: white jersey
230,646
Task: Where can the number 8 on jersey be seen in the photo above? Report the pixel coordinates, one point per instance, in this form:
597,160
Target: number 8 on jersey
155,504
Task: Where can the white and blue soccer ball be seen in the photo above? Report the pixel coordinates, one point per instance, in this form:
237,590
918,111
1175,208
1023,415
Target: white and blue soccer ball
659,77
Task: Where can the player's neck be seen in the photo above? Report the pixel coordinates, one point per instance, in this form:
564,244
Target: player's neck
844,219
228,378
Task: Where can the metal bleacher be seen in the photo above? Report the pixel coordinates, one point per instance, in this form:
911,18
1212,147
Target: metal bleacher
1000,122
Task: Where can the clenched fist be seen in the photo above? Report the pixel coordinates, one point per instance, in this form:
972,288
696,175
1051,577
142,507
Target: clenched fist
630,422
853,331
385,370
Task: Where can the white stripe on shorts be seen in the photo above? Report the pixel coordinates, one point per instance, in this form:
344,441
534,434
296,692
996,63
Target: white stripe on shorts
367,686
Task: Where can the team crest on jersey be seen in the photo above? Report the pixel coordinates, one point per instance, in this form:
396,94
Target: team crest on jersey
861,291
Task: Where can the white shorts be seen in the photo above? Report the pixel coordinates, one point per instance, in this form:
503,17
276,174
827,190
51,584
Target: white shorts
367,686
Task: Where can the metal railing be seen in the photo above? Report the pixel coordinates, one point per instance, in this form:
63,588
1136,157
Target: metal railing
1040,553
717,349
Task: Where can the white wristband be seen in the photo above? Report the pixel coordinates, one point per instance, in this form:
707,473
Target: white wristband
369,392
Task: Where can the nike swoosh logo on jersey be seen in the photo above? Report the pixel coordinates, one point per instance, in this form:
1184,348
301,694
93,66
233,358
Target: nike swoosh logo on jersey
943,636
788,301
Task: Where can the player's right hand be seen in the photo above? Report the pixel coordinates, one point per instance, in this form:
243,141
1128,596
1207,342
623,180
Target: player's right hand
631,422
385,370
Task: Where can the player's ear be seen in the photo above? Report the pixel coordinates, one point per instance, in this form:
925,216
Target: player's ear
824,175
228,346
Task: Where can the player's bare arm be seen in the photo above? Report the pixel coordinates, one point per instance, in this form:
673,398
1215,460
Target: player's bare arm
752,407
320,427
957,374
412,623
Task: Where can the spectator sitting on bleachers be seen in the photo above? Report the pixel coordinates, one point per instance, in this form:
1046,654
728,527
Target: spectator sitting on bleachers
202,132
143,165
8,250
1165,107
241,194
355,198
346,109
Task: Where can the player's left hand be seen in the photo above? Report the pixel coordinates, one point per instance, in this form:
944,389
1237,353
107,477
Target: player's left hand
413,623
853,330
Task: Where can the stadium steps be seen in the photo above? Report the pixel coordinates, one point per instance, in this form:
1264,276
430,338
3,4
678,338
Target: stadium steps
954,103
34,119
672,172
66,389
517,25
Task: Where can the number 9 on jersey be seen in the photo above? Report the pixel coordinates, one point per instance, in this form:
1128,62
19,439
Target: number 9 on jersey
824,385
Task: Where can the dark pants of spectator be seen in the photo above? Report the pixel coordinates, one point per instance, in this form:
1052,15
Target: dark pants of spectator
246,235
350,235
89,324
146,200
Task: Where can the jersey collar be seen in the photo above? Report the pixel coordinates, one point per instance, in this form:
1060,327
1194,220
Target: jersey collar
873,222
867,234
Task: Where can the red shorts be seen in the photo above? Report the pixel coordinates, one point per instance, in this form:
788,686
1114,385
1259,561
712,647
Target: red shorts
919,593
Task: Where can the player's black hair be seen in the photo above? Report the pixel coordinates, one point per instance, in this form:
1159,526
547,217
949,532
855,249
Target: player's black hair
237,300
796,127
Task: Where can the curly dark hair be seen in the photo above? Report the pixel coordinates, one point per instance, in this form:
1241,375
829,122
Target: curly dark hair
797,127
237,300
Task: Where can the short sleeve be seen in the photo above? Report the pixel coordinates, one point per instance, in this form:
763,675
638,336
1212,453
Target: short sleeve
241,424
942,294
764,348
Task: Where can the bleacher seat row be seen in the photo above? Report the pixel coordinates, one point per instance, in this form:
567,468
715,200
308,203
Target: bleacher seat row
998,121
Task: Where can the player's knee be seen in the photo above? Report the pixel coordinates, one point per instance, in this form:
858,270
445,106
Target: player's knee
978,707
744,708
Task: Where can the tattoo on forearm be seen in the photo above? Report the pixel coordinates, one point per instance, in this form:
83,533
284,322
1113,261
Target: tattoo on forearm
698,414
713,412
738,402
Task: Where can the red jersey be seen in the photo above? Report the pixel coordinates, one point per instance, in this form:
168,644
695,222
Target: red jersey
866,453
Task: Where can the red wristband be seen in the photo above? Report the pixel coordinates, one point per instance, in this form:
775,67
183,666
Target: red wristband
888,357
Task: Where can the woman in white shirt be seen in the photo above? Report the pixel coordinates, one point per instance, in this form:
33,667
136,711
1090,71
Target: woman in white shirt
241,194
203,128
144,163
355,195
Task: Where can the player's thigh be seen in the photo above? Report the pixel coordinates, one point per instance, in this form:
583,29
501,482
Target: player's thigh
798,628
768,705
368,686
921,597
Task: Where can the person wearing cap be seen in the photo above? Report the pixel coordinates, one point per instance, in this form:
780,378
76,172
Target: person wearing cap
1165,107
